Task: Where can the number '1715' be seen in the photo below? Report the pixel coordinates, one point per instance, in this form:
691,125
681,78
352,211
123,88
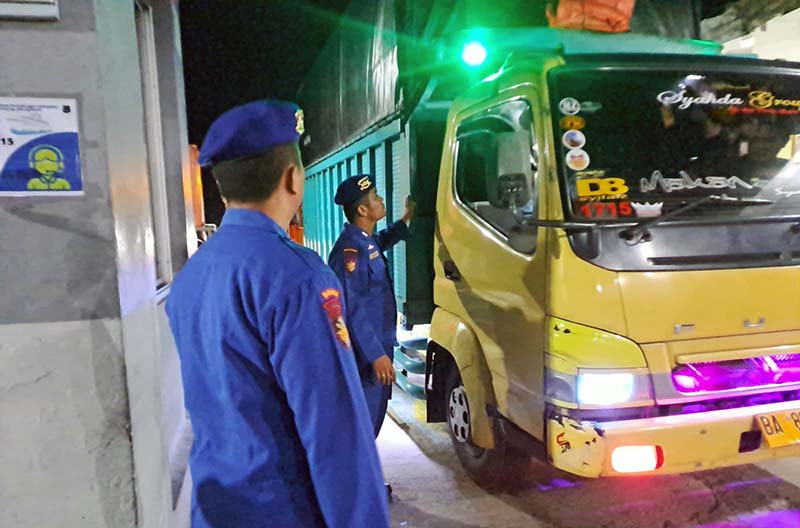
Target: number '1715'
606,209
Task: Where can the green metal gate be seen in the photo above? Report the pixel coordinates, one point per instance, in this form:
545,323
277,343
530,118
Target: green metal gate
385,154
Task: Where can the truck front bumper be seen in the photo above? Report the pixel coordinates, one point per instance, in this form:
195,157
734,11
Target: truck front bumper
684,443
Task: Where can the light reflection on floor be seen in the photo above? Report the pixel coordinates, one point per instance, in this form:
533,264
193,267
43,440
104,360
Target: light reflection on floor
773,519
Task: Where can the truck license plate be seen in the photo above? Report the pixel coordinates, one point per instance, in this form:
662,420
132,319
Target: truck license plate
780,428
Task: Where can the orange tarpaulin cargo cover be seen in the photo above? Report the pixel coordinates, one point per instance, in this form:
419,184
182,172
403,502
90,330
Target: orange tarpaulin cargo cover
610,16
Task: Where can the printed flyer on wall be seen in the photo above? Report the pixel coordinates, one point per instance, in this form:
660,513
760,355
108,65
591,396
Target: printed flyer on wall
39,147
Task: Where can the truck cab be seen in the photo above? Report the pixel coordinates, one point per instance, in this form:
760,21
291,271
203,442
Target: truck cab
616,247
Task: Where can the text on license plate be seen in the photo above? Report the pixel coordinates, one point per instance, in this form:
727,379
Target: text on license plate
780,428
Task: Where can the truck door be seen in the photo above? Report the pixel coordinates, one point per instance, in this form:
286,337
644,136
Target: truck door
494,185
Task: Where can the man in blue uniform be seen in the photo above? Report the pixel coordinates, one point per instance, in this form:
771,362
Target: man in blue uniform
357,259
282,436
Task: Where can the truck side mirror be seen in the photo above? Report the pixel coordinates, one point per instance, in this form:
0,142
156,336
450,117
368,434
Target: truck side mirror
510,186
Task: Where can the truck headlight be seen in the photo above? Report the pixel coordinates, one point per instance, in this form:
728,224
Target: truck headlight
605,388
595,388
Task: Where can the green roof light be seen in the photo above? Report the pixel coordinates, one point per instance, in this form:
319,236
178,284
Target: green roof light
474,54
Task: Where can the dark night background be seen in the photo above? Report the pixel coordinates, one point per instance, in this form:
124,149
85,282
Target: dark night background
235,51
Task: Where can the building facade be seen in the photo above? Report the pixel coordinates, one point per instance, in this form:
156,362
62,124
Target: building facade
93,431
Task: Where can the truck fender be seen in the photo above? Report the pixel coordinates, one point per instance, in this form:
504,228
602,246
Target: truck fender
454,343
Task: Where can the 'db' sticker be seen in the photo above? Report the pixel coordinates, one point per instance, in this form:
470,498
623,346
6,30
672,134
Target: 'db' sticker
597,189
573,139
577,159
569,106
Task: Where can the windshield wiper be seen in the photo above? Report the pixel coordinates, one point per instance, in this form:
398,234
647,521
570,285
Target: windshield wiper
640,233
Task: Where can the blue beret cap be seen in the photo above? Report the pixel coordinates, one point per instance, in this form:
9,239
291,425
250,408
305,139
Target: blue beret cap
250,129
353,188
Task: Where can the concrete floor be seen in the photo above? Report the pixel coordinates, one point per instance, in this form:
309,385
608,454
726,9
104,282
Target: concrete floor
431,490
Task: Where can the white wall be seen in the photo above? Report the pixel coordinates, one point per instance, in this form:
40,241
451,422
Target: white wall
64,427
92,427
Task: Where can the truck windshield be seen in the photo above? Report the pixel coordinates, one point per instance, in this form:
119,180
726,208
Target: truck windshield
637,144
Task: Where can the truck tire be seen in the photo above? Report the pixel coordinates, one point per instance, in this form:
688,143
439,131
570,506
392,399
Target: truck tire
491,468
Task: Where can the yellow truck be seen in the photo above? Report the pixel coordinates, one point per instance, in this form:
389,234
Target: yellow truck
612,245
616,260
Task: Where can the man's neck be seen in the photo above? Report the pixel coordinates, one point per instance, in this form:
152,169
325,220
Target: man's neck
367,225
277,210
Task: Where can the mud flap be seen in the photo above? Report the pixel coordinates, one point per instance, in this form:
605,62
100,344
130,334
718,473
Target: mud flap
575,447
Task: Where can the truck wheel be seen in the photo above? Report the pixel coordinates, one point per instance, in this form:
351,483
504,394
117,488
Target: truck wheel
491,468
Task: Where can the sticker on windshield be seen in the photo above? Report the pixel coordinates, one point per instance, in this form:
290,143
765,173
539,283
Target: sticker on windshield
569,106
591,107
573,139
601,198
647,209
572,123
780,191
764,99
599,189
746,110
577,159
756,102
686,182
594,173
706,98
605,210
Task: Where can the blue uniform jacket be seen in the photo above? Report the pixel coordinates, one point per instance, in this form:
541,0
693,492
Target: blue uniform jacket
279,416
358,260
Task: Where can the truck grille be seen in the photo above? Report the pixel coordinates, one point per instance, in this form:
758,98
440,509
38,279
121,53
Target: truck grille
765,371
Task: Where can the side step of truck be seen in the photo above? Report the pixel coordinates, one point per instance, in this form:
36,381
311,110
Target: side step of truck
409,364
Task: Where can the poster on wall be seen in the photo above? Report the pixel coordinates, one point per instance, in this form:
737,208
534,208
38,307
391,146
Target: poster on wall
29,9
39,152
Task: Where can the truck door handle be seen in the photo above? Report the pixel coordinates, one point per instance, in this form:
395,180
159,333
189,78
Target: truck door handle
451,271
755,324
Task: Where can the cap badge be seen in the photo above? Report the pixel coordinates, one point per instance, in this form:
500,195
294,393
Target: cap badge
364,183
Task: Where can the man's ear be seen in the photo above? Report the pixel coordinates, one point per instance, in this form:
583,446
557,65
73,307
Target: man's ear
293,179
362,210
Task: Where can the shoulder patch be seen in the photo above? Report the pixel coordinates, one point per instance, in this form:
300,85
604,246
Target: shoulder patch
350,259
332,304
